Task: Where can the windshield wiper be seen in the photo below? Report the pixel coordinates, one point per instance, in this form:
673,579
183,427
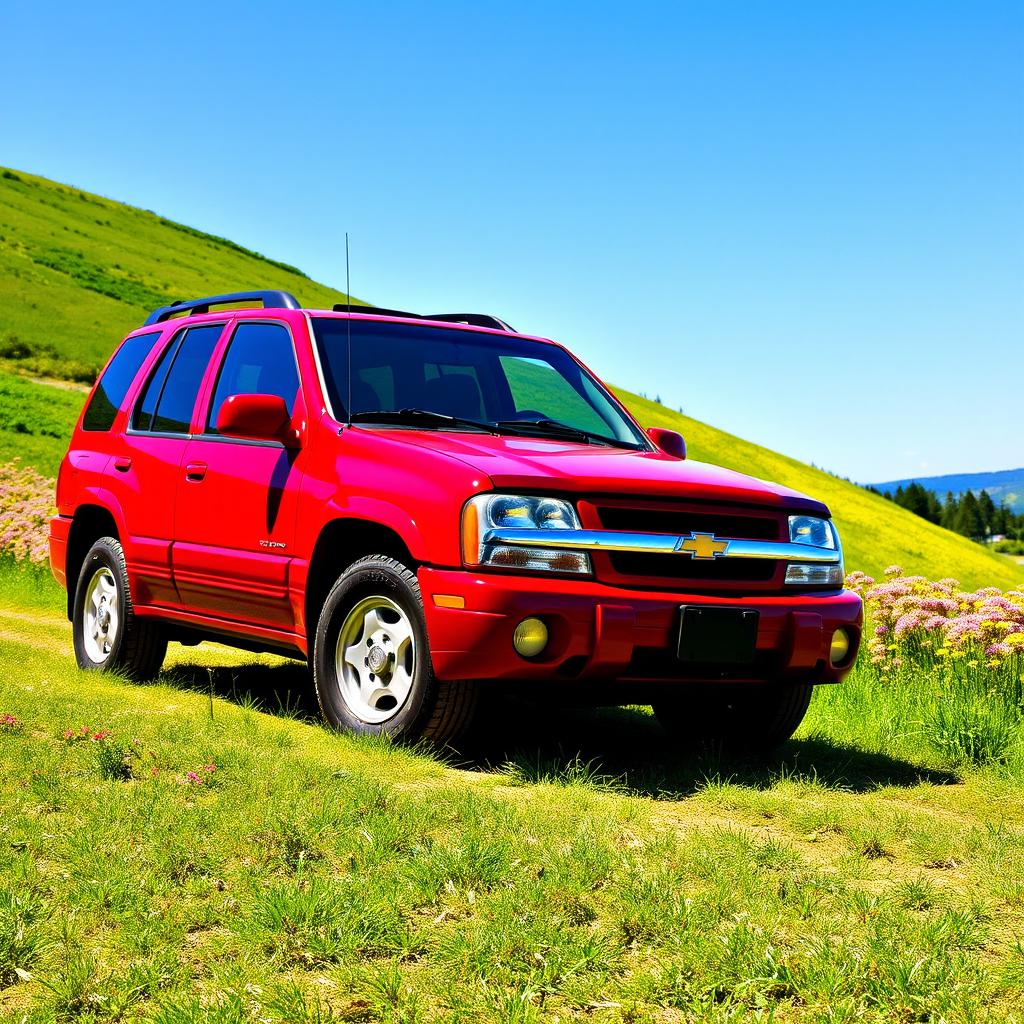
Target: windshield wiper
421,416
556,428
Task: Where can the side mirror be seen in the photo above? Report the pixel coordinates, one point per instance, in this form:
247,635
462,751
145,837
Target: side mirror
670,442
256,418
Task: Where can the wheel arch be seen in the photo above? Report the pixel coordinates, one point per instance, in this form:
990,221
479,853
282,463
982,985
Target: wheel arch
90,522
341,542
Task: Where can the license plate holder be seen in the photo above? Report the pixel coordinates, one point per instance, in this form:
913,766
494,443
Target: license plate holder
717,636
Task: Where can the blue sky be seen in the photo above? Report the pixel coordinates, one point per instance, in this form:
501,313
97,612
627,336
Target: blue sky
802,222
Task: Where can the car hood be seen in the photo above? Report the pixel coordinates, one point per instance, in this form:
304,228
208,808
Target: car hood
548,466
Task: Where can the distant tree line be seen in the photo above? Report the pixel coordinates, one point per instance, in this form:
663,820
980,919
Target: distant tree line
974,516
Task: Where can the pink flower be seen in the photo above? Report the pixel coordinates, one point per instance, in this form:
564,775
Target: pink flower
26,505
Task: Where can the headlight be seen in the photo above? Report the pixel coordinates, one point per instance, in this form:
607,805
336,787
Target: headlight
818,533
488,512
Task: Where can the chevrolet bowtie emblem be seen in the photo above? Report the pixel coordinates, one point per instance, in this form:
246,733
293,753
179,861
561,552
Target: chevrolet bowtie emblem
702,545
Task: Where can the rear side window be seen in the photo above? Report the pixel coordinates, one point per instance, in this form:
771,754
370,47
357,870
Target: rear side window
116,380
259,361
170,395
142,417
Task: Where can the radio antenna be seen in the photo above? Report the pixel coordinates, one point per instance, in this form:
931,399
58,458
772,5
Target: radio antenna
348,329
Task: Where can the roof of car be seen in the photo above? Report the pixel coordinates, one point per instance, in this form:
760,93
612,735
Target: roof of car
273,299
284,303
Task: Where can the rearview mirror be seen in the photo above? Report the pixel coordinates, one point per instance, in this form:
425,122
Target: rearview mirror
669,441
256,418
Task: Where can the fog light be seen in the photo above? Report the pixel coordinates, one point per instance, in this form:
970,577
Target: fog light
840,649
530,638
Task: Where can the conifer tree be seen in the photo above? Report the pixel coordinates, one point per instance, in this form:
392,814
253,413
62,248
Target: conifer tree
968,520
987,508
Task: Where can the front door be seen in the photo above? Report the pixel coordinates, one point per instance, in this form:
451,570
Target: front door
237,499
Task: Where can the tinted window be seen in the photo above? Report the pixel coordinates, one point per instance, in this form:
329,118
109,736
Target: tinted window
142,417
468,374
259,361
116,380
178,396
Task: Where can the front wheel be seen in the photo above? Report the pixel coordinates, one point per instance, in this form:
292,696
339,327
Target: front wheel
108,636
745,718
371,659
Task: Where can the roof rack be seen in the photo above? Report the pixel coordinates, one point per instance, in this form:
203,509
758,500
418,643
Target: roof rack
270,300
473,319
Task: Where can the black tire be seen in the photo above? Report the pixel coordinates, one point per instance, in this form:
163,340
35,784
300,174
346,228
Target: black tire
137,647
741,718
438,711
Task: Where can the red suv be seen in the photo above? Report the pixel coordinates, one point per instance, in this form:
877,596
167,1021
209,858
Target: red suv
424,506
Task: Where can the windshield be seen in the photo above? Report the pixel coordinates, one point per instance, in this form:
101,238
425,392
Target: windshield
509,383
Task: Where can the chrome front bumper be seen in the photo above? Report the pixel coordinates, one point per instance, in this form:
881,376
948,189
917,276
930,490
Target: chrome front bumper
693,544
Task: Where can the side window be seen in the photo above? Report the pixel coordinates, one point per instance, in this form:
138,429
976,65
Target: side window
178,393
259,361
142,417
537,387
116,380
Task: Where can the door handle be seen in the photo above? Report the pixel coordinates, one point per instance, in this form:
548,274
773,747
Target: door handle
195,471
122,463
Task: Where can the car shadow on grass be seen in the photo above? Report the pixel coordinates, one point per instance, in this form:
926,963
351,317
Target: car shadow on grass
626,748
621,749
285,689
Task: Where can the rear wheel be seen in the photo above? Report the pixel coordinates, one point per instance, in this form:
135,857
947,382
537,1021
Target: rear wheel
371,659
108,636
753,718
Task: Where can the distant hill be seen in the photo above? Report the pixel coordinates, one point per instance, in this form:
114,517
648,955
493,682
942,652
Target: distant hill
1002,485
78,271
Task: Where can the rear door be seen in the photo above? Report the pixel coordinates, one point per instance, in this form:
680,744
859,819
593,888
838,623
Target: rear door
143,472
237,499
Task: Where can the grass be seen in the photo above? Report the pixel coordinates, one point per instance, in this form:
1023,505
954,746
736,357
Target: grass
77,271
36,420
571,867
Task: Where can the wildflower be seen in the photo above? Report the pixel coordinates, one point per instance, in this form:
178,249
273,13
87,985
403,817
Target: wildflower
82,733
9,723
25,511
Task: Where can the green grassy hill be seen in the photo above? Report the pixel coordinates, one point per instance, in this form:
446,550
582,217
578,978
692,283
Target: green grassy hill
78,271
